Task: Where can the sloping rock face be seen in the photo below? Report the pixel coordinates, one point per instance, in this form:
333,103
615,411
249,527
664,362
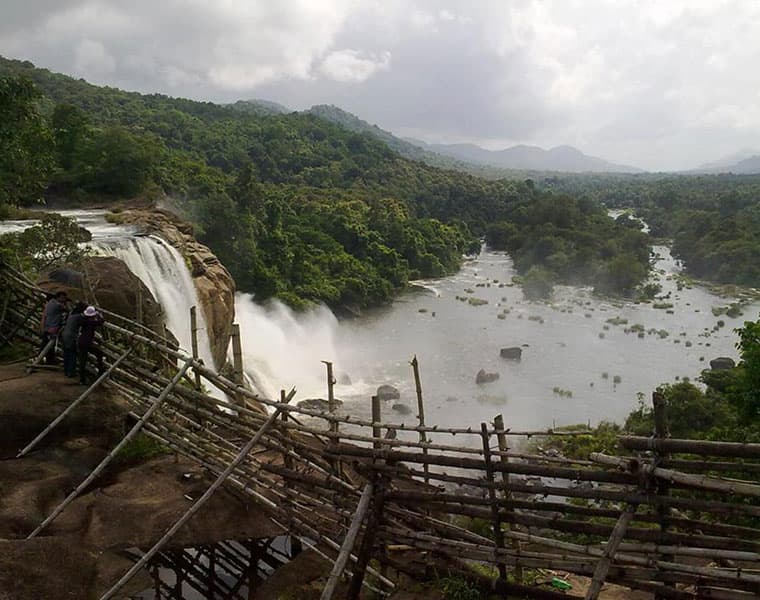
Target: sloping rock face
214,284
107,282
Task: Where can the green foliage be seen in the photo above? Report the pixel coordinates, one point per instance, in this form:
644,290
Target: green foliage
54,240
458,588
537,284
746,391
25,143
139,449
304,209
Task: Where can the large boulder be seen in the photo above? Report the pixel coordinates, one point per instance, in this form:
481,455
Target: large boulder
722,363
107,282
387,392
317,404
512,353
484,376
213,282
402,409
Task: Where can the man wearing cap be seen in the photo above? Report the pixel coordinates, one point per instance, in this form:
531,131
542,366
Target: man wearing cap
52,320
91,320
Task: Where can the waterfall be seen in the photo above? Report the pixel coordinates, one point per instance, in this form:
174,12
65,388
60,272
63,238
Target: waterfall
164,272
282,349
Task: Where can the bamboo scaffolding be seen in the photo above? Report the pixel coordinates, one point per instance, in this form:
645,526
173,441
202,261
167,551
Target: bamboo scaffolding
106,374
197,505
605,561
104,463
348,544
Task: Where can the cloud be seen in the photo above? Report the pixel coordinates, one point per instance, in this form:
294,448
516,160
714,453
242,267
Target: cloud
352,65
661,84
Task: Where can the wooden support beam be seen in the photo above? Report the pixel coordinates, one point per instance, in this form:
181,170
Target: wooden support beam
501,438
348,544
605,561
498,534
237,359
194,342
702,447
197,505
420,411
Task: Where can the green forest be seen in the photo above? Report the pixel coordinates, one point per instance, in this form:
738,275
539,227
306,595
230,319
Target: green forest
296,207
713,220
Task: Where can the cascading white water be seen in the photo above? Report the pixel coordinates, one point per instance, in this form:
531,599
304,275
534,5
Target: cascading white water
282,349
164,272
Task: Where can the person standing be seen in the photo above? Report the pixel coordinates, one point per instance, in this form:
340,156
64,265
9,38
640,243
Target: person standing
52,320
91,320
69,337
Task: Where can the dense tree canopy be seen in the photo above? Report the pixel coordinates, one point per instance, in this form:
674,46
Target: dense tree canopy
303,209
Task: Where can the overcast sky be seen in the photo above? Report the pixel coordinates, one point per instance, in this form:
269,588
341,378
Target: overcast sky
660,84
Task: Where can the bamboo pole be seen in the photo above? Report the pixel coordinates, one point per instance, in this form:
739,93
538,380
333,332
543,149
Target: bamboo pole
348,543
498,534
197,505
603,565
501,438
194,342
681,446
702,482
662,486
36,360
237,358
420,411
104,463
106,374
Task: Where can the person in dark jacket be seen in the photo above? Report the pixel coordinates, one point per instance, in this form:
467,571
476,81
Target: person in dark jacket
69,337
91,320
52,320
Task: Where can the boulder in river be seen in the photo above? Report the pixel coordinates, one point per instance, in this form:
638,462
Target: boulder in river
512,353
388,392
484,376
402,409
317,404
344,379
722,363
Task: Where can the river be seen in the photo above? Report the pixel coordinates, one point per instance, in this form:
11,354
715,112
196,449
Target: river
575,367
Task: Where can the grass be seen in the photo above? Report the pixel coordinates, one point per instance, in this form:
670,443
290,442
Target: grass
140,449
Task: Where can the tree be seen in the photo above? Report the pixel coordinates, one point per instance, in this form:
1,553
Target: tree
25,143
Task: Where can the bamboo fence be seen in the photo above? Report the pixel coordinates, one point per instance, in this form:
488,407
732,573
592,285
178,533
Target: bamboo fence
667,519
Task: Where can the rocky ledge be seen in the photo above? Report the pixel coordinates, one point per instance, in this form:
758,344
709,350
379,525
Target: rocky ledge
213,282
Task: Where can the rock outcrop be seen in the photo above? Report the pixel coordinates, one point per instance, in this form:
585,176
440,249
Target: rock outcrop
107,282
512,353
484,376
387,392
722,363
213,282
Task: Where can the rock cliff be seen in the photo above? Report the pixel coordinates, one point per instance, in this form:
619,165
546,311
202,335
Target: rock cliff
214,284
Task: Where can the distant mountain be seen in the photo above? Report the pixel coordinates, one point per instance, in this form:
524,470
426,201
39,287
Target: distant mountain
260,107
531,158
406,149
744,162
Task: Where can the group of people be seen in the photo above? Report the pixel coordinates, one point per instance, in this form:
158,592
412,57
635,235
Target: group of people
74,327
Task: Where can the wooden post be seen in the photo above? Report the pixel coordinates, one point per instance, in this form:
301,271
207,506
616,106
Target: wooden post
286,458
605,561
498,534
348,544
194,336
377,431
501,437
237,358
139,304
420,411
662,486
370,531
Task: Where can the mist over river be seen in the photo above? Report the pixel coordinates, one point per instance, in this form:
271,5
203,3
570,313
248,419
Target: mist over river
562,347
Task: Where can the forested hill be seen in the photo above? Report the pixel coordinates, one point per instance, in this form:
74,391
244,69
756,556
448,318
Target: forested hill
297,207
